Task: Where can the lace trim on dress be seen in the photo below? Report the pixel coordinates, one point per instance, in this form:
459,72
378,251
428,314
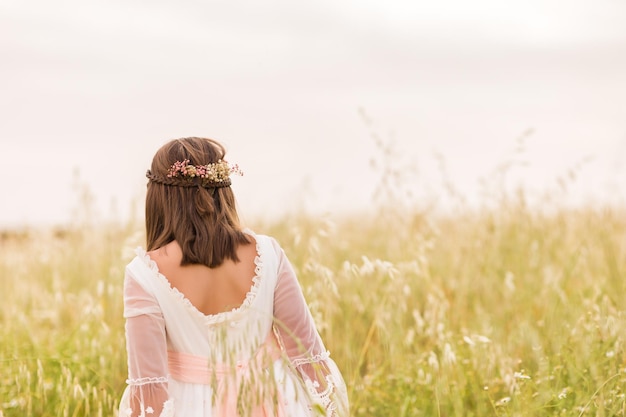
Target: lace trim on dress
324,396
147,380
167,411
311,359
210,319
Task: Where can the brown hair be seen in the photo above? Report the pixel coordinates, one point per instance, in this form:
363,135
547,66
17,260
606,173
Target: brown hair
203,221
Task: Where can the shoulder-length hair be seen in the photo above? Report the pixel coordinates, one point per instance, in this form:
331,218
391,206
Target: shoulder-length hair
203,221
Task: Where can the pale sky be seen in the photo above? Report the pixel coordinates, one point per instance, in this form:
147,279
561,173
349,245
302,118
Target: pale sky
98,86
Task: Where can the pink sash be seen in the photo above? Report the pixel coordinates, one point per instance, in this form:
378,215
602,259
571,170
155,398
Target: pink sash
193,369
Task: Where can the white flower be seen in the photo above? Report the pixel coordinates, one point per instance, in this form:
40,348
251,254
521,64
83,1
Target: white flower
449,358
520,375
432,361
503,401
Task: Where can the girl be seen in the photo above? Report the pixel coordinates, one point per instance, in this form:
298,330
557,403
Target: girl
216,323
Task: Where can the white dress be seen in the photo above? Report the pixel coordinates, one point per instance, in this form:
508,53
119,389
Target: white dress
264,358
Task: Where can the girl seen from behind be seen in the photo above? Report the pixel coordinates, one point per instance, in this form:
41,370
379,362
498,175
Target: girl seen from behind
216,323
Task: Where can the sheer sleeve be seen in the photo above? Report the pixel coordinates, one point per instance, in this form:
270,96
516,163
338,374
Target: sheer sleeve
302,343
147,354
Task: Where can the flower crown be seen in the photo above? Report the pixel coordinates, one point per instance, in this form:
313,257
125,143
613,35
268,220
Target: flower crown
213,175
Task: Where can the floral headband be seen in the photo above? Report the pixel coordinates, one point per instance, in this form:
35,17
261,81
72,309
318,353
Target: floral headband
213,175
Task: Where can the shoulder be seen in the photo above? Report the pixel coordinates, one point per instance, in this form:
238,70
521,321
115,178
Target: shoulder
169,254
269,249
142,269
265,241
167,259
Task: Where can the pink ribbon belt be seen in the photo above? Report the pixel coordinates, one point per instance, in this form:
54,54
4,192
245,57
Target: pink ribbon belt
185,367
195,369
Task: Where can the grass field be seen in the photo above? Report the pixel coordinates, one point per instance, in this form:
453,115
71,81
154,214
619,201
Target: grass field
509,311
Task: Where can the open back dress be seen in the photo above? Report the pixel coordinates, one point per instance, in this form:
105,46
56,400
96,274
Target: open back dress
263,358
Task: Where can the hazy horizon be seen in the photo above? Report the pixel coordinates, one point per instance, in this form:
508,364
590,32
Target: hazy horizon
96,88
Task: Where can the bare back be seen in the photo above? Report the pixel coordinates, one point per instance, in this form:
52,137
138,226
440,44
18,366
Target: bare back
210,290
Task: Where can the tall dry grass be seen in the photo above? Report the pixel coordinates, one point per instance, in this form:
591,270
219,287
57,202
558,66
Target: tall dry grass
501,311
